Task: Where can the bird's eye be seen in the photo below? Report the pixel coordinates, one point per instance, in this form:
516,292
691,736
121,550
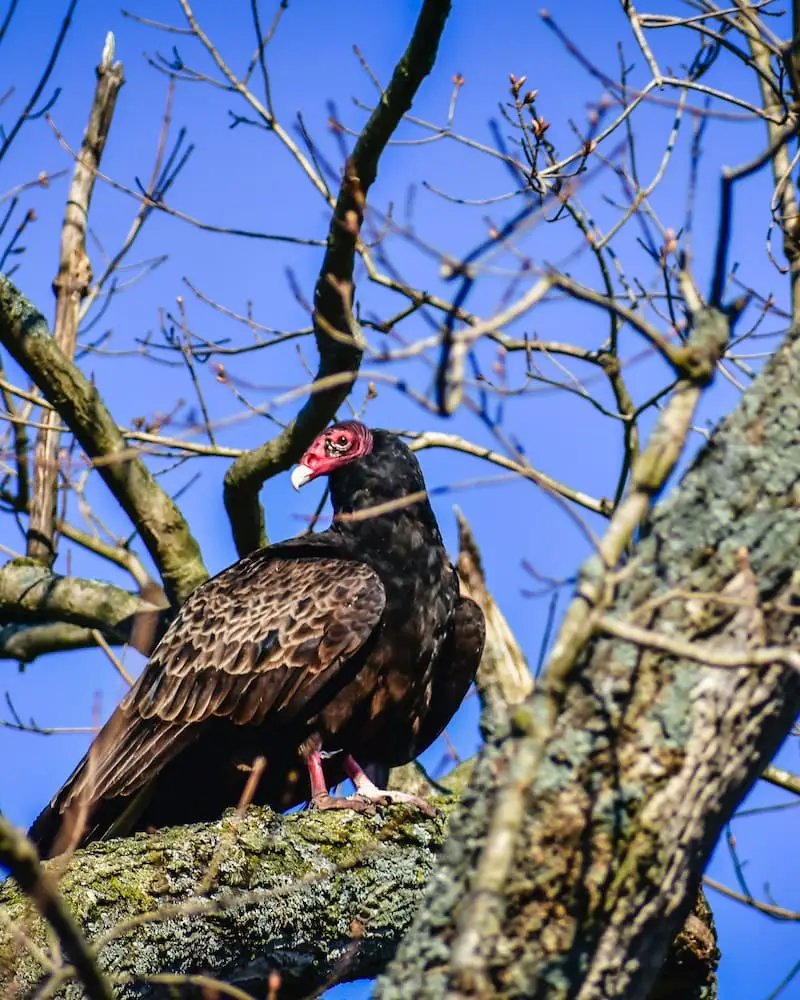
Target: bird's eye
337,445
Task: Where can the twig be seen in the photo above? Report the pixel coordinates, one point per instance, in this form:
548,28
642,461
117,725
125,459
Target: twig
117,664
11,135
778,912
783,779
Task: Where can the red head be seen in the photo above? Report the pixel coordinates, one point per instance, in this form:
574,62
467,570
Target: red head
336,446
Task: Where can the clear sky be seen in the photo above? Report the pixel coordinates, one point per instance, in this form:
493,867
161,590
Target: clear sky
242,178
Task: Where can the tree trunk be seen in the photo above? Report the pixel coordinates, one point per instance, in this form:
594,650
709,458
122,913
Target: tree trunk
608,816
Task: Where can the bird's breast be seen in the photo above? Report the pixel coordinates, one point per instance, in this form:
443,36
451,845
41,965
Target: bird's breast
379,712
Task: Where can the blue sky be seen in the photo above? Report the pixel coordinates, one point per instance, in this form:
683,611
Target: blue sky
242,178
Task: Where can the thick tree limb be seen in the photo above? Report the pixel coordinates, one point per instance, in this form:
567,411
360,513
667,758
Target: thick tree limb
313,895
338,335
29,592
164,531
623,798
64,610
504,680
71,287
26,643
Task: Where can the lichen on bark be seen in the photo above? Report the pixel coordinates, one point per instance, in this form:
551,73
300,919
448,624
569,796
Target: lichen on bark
310,895
650,753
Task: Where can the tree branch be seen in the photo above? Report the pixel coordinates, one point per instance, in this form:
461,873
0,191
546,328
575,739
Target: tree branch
624,795
18,855
311,894
29,593
26,643
164,531
338,335
504,679
71,287
315,897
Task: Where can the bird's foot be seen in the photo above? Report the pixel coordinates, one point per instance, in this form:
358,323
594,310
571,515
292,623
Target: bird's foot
368,803
386,796
369,791
355,803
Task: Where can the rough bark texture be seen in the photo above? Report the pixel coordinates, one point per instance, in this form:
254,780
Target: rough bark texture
317,897
313,895
689,971
650,754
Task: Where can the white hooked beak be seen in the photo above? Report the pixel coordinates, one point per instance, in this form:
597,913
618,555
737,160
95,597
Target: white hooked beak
301,475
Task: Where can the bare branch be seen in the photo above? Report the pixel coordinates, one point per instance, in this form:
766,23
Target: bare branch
339,340
71,285
26,643
31,593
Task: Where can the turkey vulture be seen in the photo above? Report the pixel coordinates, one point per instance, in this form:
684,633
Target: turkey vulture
350,644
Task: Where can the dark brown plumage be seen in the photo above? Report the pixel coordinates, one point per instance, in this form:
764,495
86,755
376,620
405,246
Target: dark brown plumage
351,644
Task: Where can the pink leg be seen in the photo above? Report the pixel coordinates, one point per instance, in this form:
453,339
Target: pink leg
316,775
367,796
320,797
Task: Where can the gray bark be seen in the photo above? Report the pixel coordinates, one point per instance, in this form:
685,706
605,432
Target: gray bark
624,797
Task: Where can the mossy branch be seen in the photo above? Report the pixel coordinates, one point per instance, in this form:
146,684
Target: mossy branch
313,896
162,527
30,593
338,335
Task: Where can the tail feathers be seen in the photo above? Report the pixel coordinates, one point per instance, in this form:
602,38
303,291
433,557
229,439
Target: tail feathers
45,830
57,830
54,832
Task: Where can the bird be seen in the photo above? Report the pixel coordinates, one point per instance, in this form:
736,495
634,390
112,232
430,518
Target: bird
346,647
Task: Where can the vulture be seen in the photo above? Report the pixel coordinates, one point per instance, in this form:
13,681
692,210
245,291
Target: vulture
345,646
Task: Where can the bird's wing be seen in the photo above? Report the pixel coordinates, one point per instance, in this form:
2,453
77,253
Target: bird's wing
261,639
458,663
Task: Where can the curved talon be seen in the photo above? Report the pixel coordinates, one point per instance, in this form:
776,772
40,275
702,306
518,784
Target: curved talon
381,796
368,796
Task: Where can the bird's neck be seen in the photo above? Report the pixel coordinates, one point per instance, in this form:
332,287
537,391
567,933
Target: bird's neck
401,544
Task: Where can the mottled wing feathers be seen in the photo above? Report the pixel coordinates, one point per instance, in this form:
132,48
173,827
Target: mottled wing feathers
257,641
